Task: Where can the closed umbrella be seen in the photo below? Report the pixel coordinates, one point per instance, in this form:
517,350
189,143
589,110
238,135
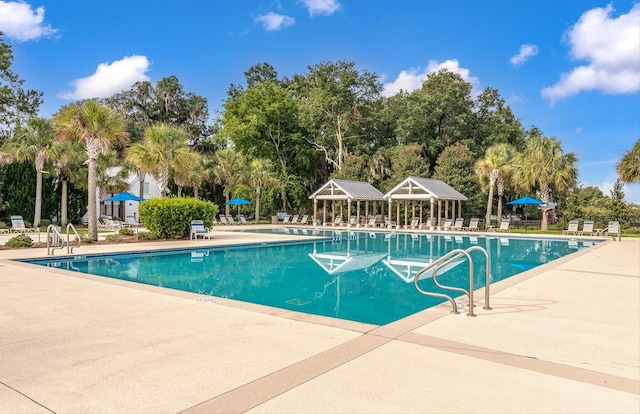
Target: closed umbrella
526,201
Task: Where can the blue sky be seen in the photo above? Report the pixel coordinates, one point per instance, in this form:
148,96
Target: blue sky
570,68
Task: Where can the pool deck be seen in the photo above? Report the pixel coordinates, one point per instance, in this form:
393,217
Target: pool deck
563,337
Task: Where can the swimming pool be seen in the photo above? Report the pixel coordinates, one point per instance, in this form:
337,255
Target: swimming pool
362,276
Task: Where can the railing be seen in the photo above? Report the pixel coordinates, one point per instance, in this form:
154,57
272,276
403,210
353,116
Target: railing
56,235
444,261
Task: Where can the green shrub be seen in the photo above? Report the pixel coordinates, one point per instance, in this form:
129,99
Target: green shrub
146,235
21,240
86,239
45,223
113,238
126,232
171,217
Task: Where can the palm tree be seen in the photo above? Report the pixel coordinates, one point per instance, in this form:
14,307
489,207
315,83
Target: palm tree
261,175
629,166
543,167
36,143
229,165
496,166
97,127
69,168
164,147
191,176
110,177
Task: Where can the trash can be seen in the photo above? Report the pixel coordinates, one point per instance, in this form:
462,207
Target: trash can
274,220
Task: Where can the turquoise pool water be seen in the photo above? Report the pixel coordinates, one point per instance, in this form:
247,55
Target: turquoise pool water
363,276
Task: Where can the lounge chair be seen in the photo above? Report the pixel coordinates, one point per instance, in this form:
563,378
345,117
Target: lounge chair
353,221
504,226
388,223
242,219
414,223
111,224
459,224
473,225
294,219
337,221
373,222
573,227
427,224
612,229
286,220
304,220
17,225
231,220
587,228
447,224
198,229
223,219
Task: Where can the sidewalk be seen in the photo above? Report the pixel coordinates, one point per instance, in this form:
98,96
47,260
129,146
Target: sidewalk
564,337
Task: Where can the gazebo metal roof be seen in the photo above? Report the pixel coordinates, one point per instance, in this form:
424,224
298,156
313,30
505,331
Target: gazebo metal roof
418,188
347,190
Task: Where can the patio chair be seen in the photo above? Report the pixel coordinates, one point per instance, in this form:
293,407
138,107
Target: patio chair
427,224
337,221
286,220
294,220
17,225
198,229
573,227
587,228
459,224
388,223
473,225
111,224
353,221
415,221
447,224
504,226
304,220
231,220
242,219
612,229
373,222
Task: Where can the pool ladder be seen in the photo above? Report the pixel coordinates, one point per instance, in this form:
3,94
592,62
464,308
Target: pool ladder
447,259
53,230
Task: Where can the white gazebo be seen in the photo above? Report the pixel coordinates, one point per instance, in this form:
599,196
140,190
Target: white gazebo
349,191
424,189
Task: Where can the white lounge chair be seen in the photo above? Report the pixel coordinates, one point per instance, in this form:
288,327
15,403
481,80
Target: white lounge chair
473,225
415,221
373,222
286,220
612,229
572,228
304,220
388,223
587,228
199,230
223,219
459,224
504,226
447,224
17,225
242,219
231,220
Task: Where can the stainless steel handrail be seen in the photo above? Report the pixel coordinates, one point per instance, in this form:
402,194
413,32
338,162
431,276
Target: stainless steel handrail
447,259
55,231
69,246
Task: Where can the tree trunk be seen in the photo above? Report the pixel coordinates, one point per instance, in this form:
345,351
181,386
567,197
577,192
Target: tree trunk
257,205
93,217
38,212
544,196
489,205
63,204
141,184
195,191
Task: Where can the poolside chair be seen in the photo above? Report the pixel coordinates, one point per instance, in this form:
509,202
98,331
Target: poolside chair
198,229
447,224
231,220
304,220
242,219
612,229
414,223
294,219
337,221
587,228
111,224
504,226
427,224
573,227
223,219
373,222
459,224
388,223
286,220
473,225
17,225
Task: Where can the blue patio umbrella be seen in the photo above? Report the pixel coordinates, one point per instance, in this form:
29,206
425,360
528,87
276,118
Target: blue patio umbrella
238,201
526,201
125,196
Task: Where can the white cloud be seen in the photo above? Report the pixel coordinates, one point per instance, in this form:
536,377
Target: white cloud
610,46
273,21
412,79
110,78
19,22
526,51
322,7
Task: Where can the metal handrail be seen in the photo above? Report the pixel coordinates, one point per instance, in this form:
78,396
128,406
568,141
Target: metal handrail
69,246
447,259
55,231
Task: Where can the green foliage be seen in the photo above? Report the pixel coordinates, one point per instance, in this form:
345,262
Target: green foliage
171,217
455,166
146,235
21,240
126,232
113,238
18,190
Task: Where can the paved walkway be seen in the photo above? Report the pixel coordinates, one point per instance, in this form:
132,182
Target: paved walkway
564,337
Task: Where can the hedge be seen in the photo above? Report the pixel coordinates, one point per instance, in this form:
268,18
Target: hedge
171,217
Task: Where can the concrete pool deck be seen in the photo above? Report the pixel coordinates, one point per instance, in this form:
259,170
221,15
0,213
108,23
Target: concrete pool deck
563,337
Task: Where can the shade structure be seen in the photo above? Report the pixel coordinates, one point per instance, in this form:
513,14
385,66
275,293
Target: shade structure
526,201
238,201
125,196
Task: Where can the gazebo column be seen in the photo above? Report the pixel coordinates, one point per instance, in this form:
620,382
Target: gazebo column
397,211
453,209
390,208
324,212
439,212
341,213
315,210
420,213
358,213
406,211
348,212
432,204
459,208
